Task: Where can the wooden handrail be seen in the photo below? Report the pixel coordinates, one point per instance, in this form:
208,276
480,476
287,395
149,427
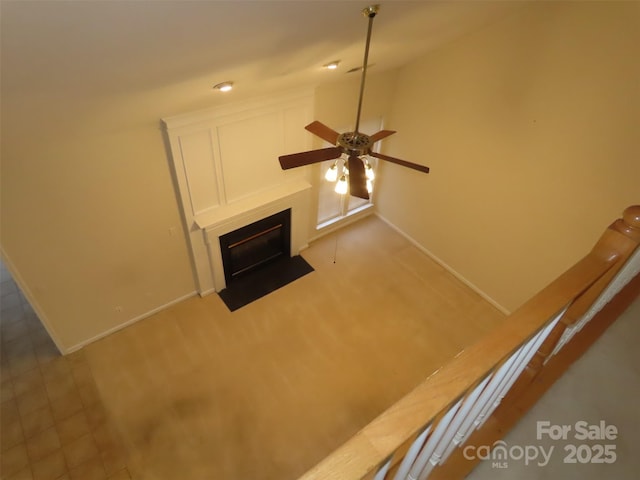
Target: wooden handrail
395,428
618,242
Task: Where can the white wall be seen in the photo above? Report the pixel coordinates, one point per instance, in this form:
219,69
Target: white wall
90,219
336,103
87,208
531,130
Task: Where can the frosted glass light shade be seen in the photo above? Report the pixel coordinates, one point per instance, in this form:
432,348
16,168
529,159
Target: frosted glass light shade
342,186
368,171
332,173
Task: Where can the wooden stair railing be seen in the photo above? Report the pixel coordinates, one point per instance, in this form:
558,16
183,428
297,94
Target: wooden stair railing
478,396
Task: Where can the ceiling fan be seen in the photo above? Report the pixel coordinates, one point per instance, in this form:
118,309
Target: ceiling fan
353,145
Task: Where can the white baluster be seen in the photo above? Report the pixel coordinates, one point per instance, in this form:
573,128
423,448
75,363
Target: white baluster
411,455
454,438
624,276
466,428
437,438
494,386
424,456
383,471
567,335
529,350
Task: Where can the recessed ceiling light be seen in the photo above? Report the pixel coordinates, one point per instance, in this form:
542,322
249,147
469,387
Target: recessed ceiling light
224,86
332,65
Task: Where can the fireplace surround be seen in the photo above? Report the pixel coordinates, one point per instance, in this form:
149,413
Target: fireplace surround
215,224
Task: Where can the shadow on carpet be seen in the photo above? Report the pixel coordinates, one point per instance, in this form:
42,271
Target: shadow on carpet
273,276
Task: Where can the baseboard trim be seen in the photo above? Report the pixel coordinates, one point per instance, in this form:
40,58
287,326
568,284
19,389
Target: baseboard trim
108,332
204,293
444,265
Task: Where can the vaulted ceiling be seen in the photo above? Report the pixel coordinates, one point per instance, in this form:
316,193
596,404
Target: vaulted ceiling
96,49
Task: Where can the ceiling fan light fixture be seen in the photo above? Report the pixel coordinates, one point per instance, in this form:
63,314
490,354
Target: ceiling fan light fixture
332,65
354,145
342,187
345,168
224,86
368,171
332,173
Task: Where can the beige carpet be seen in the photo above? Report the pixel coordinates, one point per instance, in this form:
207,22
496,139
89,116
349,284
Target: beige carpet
267,391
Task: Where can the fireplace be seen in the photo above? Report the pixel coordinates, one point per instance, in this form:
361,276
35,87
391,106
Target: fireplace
217,222
253,246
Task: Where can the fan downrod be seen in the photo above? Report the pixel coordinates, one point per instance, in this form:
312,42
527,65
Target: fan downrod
369,12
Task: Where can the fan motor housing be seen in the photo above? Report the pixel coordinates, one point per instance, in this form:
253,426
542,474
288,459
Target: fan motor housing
354,143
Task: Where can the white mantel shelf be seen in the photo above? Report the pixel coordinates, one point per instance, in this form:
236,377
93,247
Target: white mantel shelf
224,213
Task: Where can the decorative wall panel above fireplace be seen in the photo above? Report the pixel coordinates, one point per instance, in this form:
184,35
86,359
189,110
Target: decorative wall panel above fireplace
226,172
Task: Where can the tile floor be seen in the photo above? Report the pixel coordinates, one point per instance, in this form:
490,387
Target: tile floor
53,423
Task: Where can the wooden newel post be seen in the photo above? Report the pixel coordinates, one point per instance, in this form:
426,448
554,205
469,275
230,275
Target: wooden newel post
621,238
629,224
616,244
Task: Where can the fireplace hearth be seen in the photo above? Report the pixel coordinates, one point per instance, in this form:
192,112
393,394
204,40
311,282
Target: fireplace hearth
257,260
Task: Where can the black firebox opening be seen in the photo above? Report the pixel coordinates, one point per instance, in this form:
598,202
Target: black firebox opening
255,245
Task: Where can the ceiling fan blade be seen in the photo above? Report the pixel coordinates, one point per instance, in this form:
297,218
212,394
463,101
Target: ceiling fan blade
307,158
357,178
381,134
404,163
324,132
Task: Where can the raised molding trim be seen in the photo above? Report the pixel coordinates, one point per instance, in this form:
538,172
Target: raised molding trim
194,140
447,267
249,107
